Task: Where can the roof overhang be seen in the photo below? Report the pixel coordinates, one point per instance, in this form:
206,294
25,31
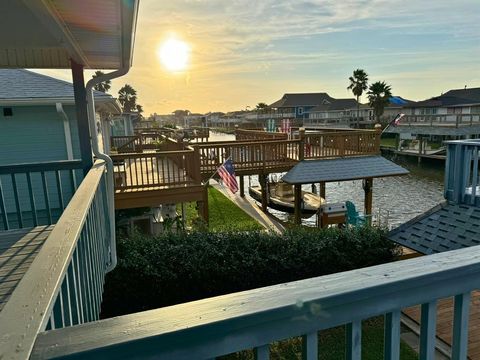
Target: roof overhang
50,33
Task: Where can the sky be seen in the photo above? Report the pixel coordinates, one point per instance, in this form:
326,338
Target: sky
243,52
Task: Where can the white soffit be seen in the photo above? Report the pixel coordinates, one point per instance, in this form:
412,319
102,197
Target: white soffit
98,34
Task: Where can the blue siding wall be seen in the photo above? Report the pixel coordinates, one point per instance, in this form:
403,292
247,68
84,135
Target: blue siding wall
36,134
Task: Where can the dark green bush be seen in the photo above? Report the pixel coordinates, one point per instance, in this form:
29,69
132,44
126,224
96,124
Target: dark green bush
158,271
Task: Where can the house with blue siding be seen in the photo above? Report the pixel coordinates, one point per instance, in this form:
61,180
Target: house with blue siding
38,123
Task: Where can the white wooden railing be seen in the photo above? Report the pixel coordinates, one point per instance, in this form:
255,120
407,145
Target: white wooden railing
64,284
254,319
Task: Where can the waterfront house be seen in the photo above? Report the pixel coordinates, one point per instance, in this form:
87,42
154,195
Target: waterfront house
124,124
297,105
38,121
336,112
452,115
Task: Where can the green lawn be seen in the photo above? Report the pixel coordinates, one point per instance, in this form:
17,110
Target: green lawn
331,345
389,142
224,215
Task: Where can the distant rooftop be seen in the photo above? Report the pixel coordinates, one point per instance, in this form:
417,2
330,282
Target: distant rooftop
302,99
455,97
336,105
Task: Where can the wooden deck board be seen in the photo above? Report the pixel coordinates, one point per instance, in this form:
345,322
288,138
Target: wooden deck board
18,249
445,322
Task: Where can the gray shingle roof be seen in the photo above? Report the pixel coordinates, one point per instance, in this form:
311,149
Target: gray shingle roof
352,168
443,228
306,99
20,84
336,104
451,98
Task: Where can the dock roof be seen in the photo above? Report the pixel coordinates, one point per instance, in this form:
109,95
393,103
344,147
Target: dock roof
351,168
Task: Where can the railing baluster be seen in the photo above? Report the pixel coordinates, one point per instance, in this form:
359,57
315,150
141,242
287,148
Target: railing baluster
3,208
32,199
392,335
60,190
17,202
428,330
81,293
262,352
460,326
310,346
354,340
474,175
73,292
46,197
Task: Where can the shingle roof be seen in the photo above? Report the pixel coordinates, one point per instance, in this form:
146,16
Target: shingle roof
445,227
305,99
336,104
352,168
20,84
451,98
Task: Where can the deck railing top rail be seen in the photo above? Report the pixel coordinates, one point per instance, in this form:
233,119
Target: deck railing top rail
253,319
63,285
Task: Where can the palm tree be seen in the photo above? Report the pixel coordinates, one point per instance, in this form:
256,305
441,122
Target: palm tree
103,86
139,109
127,96
261,106
379,94
358,84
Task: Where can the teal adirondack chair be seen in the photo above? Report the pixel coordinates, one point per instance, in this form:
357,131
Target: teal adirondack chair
353,216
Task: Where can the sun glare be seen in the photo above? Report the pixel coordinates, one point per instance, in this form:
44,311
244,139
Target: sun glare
174,54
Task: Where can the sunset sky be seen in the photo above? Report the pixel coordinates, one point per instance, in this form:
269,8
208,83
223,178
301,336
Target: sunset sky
241,52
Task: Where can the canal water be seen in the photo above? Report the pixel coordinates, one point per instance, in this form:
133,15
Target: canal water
395,199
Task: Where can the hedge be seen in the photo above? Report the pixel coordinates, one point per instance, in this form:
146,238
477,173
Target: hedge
173,268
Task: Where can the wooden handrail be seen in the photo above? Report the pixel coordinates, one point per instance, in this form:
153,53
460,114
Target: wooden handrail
75,253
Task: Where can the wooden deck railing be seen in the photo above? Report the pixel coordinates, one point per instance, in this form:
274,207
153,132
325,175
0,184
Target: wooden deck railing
253,319
176,168
340,144
245,135
462,175
64,284
36,194
137,143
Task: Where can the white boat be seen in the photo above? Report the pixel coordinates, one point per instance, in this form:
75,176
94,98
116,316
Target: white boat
281,197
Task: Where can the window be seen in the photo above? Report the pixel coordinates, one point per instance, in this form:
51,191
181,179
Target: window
7,111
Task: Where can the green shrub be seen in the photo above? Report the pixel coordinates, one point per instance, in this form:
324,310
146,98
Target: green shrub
173,268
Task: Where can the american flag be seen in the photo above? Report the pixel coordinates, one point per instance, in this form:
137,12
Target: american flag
397,119
227,173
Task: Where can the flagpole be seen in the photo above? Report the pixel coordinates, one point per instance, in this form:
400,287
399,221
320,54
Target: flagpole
216,171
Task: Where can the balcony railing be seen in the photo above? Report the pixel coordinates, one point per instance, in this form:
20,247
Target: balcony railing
448,120
36,194
64,284
462,177
254,319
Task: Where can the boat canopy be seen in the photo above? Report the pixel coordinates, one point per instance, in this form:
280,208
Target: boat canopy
352,168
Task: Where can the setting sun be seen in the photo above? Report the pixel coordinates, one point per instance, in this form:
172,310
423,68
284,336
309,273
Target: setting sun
174,54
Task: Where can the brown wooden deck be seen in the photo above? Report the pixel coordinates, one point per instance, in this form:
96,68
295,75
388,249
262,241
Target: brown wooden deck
174,171
18,249
445,322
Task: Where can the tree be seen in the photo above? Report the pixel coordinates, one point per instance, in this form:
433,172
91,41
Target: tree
104,86
358,84
127,96
261,107
379,94
139,109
